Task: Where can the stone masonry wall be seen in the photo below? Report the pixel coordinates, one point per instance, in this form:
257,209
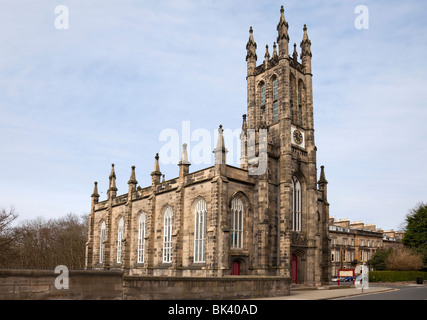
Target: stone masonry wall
114,285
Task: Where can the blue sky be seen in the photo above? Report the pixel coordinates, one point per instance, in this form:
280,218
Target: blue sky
74,101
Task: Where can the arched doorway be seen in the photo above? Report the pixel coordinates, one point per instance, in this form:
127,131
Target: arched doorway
298,266
294,269
235,268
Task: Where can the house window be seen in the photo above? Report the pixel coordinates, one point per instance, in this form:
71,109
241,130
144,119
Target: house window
275,102
167,235
296,204
141,238
236,223
200,232
101,242
120,232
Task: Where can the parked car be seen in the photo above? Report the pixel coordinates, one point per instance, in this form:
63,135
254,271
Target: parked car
348,279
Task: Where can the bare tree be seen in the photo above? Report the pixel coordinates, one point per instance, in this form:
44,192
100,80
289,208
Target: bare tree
404,259
7,235
45,244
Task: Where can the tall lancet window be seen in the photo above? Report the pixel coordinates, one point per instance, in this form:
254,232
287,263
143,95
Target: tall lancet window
101,242
200,232
120,234
300,92
237,214
291,102
141,238
263,94
296,204
275,98
167,235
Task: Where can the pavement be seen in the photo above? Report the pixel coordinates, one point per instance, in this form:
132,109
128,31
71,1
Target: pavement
331,292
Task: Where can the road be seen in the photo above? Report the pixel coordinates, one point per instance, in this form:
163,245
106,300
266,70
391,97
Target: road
407,292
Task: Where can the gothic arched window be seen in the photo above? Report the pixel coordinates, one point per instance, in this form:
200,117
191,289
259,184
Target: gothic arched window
200,231
120,234
275,100
237,213
296,204
141,238
291,96
167,235
300,101
262,94
101,242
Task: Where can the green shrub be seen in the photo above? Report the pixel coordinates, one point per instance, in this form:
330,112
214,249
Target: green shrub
393,276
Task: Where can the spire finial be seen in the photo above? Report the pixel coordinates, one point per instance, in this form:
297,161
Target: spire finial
220,149
305,44
244,124
95,190
295,54
132,179
156,174
322,178
305,36
156,164
112,174
282,36
112,188
267,54
184,155
251,47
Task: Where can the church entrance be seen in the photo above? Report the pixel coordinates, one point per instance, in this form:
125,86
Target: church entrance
235,268
294,269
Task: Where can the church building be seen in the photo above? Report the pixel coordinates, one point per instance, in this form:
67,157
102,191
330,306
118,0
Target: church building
268,217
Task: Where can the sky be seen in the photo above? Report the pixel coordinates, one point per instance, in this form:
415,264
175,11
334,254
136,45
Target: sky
84,84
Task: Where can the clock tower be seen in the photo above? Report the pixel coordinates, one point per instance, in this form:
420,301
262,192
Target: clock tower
280,105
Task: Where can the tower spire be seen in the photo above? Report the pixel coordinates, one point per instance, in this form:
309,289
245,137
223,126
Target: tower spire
306,51
251,56
283,36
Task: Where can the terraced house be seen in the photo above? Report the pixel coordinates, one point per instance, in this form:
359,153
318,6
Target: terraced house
268,217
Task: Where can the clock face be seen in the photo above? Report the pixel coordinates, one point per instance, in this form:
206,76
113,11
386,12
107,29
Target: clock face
298,136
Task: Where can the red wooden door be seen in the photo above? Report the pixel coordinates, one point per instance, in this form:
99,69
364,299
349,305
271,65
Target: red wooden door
235,268
294,269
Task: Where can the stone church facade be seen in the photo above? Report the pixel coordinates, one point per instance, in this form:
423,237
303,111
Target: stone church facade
268,217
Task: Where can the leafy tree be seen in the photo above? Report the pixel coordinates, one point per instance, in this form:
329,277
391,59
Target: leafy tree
415,235
378,260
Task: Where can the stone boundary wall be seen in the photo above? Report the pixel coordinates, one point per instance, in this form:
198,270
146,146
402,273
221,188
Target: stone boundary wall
40,285
204,288
115,285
